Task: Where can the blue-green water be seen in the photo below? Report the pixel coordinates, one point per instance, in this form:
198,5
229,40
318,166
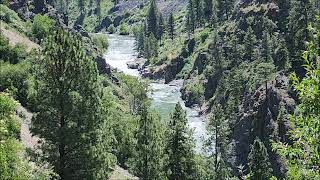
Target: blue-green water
164,96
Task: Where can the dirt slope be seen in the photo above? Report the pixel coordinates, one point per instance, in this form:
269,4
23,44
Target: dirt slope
15,38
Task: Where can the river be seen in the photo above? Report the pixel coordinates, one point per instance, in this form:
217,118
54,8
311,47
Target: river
163,96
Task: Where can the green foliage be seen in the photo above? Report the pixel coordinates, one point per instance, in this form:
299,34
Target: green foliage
152,19
208,10
15,78
190,24
11,54
10,163
259,164
224,8
111,29
11,18
198,6
151,46
149,155
124,30
298,32
40,26
303,154
68,115
101,41
194,88
13,165
161,28
171,29
139,39
249,44
180,148
137,89
281,54
218,144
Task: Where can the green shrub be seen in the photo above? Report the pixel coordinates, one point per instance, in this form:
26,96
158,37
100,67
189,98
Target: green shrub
124,29
11,18
12,164
12,54
111,29
14,77
101,41
40,26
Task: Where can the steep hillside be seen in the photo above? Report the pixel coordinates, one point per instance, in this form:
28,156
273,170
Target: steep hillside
238,63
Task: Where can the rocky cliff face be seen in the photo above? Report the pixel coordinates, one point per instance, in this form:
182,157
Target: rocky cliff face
260,119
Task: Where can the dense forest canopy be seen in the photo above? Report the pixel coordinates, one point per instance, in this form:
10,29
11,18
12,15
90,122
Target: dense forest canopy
249,69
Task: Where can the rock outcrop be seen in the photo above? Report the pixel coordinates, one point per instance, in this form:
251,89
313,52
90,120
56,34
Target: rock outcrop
103,67
136,64
105,23
260,119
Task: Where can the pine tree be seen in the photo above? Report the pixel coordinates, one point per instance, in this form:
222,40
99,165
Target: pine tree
218,144
300,15
207,11
259,164
171,26
199,12
249,44
161,28
224,9
303,154
151,46
152,19
140,40
98,9
281,54
190,18
284,7
68,113
81,6
266,47
148,161
180,147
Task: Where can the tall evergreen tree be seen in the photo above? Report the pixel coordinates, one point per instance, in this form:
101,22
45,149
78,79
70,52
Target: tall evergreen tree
148,161
171,26
284,6
218,144
207,11
98,9
152,19
161,28
198,6
180,147
190,24
266,47
81,5
224,9
281,53
140,39
303,154
259,164
249,44
68,113
300,15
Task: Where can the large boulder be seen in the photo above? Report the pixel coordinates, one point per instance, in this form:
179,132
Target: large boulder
136,64
105,23
103,67
117,20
